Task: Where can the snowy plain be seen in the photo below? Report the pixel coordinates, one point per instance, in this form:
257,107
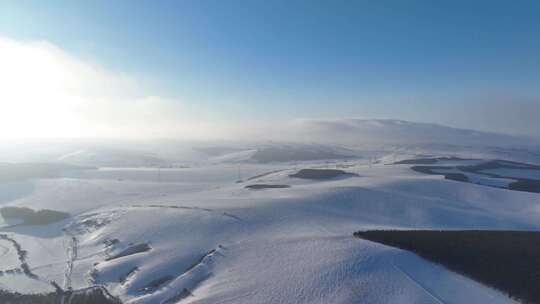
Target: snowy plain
167,223
211,240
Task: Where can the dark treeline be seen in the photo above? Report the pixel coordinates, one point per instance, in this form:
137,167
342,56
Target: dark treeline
520,183
429,161
506,260
265,186
460,177
31,217
89,296
320,173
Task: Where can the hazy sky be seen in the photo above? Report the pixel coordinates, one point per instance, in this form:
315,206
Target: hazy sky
194,68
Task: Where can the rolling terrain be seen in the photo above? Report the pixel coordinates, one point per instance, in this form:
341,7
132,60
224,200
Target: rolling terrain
230,229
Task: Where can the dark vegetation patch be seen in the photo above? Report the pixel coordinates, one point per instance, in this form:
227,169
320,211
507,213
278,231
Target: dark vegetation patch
286,154
208,255
31,217
133,249
93,295
418,161
125,277
263,174
90,295
111,242
460,177
520,184
320,173
265,186
227,214
184,293
506,260
429,161
161,282
430,169
171,207
527,185
217,151
156,284
89,223
499,164
11,297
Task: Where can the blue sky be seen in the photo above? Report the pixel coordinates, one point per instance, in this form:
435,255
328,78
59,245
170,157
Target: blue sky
462,63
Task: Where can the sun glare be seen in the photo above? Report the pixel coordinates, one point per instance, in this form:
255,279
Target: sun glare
35,96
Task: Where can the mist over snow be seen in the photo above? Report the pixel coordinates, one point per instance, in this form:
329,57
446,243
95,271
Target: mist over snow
387,131
297,140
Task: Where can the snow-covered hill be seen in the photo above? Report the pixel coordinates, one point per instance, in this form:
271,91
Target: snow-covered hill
235,224
112,158
209,239
387,131
299,140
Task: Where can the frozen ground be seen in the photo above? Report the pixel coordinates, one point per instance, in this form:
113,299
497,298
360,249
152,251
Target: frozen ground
197,235
520,173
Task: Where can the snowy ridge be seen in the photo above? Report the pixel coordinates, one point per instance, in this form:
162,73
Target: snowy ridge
355,131
201,237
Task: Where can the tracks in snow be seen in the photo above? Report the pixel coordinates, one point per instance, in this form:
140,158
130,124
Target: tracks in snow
174,288
66,294
21,254
25,269
227,214
70,244
418,284
4,249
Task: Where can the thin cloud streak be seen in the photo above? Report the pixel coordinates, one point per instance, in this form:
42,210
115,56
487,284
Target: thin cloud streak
47,93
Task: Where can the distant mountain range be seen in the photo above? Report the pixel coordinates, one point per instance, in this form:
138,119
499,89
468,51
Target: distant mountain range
299,140
357,131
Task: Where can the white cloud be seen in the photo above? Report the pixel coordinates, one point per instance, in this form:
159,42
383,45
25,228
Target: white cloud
48,93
